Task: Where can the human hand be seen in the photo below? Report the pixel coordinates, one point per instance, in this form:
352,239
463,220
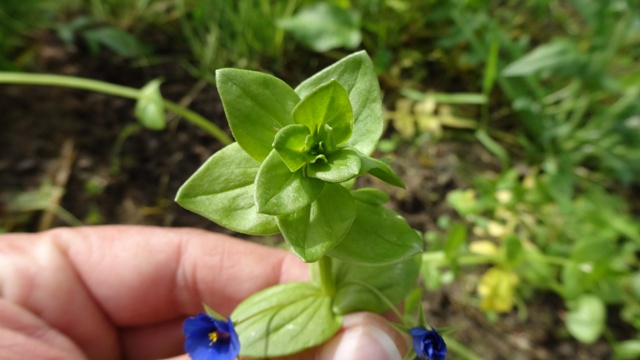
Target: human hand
113,292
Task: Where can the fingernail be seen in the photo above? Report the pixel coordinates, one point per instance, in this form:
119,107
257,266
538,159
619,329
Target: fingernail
361,343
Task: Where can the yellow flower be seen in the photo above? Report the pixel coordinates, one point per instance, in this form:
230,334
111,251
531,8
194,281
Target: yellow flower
496,288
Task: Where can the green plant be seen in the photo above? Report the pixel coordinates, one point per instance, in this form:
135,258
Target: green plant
583,250
124,14
571,94
97,36
149,107
227,32
324,26
291,171
553,224
18,20
105,23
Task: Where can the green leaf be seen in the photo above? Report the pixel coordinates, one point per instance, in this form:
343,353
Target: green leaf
552,56
327,143
280,191
222,190
635,284
377,236
574,280
213,313
592,250
291,142
586,318
257,105
513,249
432,274
284,319
340,166
465,202
373,288
371,196
67,31
381,170
494,147
456,238
327,104
324,26
413,304
627,350
491,64
534,267
116,40
150,106
357,75
316,228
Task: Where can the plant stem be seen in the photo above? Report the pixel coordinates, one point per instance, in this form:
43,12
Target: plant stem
326,278
481,259
460,350
111,89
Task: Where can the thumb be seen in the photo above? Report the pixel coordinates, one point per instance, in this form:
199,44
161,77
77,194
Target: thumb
365,336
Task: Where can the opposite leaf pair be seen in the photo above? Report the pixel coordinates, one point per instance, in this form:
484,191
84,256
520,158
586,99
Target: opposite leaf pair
296,156
291,171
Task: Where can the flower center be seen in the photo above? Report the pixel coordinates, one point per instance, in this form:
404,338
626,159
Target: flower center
213,336
217,335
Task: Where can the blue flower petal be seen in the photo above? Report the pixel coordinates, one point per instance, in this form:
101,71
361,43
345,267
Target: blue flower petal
210,339
418,331
428,344
234,344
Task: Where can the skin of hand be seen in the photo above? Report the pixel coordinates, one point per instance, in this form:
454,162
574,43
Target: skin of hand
122,292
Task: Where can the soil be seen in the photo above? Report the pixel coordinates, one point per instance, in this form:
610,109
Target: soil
68,139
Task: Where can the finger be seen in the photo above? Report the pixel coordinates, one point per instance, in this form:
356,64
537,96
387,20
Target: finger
153,341
16,345
142,275
364,336
37,279
25,336
134,277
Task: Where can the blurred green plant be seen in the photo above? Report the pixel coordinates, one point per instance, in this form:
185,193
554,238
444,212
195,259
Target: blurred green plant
574,94
555,223
17,20
583,250
324,26
234,33
97,35
43,199
99,23
418,113
149,107
124,14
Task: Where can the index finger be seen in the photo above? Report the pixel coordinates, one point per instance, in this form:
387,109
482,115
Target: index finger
171,272
86,281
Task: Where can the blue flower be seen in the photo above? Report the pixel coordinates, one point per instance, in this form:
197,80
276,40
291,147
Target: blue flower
210,339
428,343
